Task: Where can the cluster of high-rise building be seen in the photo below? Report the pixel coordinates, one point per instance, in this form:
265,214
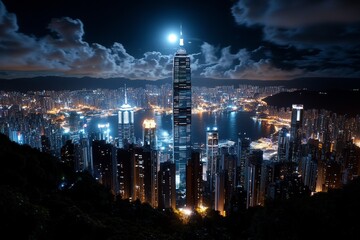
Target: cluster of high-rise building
148,97
34,129
315,153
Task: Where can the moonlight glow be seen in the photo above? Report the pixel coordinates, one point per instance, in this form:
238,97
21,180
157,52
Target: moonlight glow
172,38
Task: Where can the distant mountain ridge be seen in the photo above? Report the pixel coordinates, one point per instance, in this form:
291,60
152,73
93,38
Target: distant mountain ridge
72,83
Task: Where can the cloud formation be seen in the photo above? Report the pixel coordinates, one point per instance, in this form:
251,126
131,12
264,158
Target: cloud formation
303,43
331,27
296,13
302,22
243,65
64,53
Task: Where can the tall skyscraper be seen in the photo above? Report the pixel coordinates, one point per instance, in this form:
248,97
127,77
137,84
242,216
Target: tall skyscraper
297,113
103,132
253,167
243,155
283,145
83,157
212,151
166,184
151,164
194,181
181,114
151,169
139,159
149,128
124,172
126,124
74,119
104,158
68,154
219,199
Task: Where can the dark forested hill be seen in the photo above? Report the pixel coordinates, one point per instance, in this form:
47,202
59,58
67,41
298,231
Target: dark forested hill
40,198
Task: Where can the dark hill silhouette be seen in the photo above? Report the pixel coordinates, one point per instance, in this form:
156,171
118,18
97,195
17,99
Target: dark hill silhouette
72,83
340,101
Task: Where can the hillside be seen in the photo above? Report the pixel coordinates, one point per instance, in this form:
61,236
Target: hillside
42,199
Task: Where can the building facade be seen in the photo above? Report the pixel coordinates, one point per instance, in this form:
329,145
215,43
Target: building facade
297,114
181,116
126,124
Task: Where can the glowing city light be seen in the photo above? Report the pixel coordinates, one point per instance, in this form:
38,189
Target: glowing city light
202,210
149,123
100,125
185,211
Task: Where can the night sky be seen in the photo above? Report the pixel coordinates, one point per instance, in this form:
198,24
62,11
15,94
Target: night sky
251,39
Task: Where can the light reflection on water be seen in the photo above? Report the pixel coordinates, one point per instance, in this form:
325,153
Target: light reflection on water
229,125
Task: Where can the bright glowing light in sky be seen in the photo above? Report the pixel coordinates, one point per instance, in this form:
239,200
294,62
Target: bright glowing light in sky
172,38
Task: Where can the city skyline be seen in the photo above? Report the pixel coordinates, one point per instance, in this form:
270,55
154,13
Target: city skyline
156,159
246,40
315,152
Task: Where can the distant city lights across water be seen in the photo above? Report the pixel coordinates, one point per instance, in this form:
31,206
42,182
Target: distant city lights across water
230,125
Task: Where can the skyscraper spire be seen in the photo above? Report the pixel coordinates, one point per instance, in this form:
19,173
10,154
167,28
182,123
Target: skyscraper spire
126,123
181,39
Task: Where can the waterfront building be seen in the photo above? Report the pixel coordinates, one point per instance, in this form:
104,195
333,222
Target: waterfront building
126,124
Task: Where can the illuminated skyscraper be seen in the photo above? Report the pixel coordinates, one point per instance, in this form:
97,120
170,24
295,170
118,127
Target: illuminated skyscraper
243,155
104,159
150,164
297,113
181,114
219,197
149,128
253,167
104,132
212,152
74,119
126,124
139,159
83,157
124,172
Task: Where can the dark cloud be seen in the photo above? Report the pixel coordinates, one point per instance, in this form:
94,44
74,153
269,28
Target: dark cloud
319,36
67,29
299,40
329,30
303,23
64,52
209,53
295,13
245,65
